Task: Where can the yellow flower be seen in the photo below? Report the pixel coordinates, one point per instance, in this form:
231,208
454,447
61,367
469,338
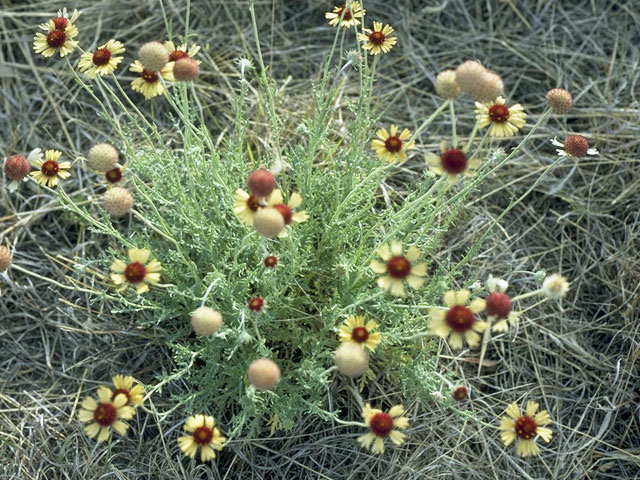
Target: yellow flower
382,425
49,169
458,320
453,163
102,61
203,435
525,428
354,330
390,146
245,206
125,385
149,83
137,273
286,209
399,268
504,121
60,34
377,39
499,308
182,51
105,415
350,16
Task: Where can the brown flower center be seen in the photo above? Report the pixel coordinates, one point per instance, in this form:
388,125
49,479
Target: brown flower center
135,272
105,414
285,211
177,55
50,168
347,13
124,391
393,144
377,38
381,424
114,175
498,304
460,394
101,57
149,76
459,318
360,334
498,113
398,267
453,161
256,304
60,23
271,261
202,435
526,427
253,203
56,38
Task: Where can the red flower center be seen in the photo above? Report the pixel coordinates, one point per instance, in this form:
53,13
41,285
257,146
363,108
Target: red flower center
149,76
271,261
253,203
347,13
459,318
453,161
101,57
498,304
381,424
177,55
498,113
377,38
360,334
398,267
135,272
393,144
105,414
114,175
202,435
460,394
56,38
285,211
50,168
118,391
526,427
60,23
256,304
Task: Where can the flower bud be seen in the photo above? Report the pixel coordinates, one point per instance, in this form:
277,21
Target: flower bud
206,321
186,69
102,157
118,201
446,85
268,222
351,359
153,56
263,374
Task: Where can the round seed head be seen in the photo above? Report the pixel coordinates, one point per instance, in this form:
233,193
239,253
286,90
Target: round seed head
559,100
351,359
5,258
498,304
16,167
576,146
102,157
446,85
261,183
153,56
469,75
268,222
118,201
186,69
489,88
263,374
206,321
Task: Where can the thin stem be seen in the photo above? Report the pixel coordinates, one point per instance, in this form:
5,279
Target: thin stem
430,119
454,136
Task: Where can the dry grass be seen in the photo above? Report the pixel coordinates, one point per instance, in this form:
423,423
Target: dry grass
581,363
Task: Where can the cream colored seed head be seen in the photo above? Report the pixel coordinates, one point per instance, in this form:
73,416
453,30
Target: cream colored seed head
469,75
153,56
489,88
186,69
268,222
102,157
264,374
206,321
446,85
351,359
118,201
559,100
5,258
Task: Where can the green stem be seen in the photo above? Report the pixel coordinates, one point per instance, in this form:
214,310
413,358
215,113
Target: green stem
454,136
430,119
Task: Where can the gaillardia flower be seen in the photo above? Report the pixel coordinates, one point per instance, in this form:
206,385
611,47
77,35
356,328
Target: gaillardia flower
459,320
245,206
276,201
60,35
103,61
382,425
574,146
555,286
346,16
525,428
17,168
182,51
503,121
105,414
203,436
149,83
377,39
452,163
399,268
390,146
49,169
125,385
137,272
498,303
354,330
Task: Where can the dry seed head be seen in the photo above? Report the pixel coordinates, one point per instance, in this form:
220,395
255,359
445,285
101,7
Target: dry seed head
576,146
118,201
489,88
102,157
351,359
261,183
206,321
153,56
469,75
5,258
268,222
186,69
446,85
263,374
16,167
559,100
